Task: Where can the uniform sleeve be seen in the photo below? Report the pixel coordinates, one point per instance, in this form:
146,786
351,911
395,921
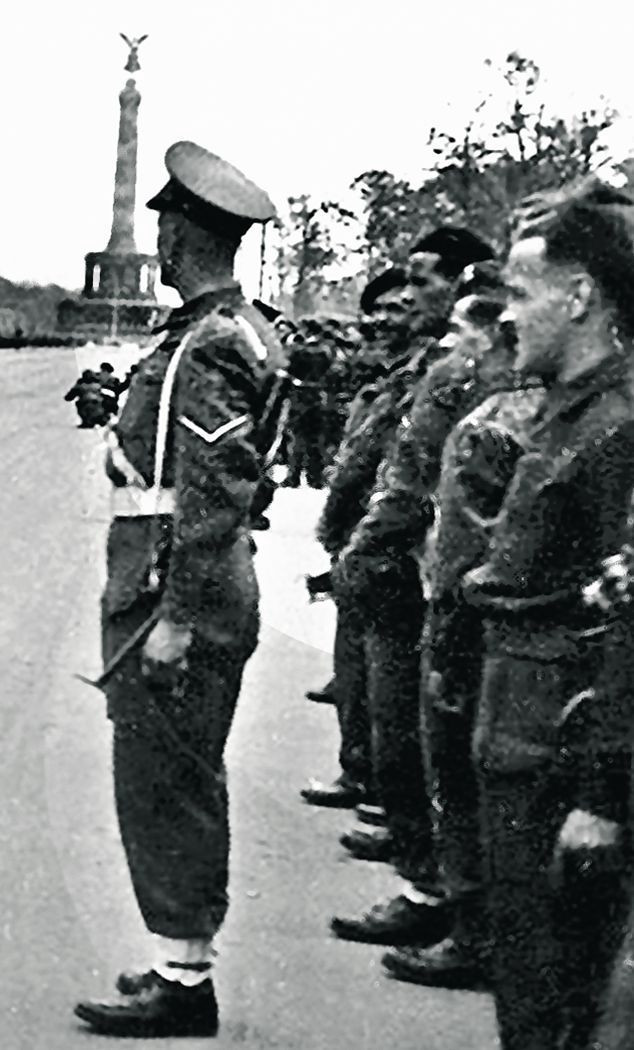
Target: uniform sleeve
216,465
349,486
480,469
354,475
401,507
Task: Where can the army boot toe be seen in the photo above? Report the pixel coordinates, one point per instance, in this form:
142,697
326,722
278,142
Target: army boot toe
398,922
161,1009
447,964
368,845
344,793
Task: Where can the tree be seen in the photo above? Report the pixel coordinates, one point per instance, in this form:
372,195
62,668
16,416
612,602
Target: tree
317,237
509,148
476,178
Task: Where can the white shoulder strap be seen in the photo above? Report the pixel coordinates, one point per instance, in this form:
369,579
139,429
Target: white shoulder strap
252,337
164,408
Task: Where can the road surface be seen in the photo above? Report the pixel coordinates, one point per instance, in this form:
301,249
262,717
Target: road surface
69,921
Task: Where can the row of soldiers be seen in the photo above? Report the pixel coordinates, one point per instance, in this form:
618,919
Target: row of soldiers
487,498
329,366
482,672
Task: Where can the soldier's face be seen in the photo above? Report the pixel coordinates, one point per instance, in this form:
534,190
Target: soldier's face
391,317
169,247
432,304
543,305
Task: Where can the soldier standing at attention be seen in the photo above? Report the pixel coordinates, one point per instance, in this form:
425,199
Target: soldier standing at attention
185,462
551,743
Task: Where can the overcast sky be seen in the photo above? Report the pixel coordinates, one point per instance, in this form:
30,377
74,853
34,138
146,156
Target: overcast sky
301,94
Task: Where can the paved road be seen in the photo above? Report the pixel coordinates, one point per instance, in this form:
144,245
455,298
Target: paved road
69,921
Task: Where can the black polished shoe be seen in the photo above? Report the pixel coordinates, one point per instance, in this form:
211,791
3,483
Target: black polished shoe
161,1009
374,815
131,983
344,793
447,964
370,845
400,921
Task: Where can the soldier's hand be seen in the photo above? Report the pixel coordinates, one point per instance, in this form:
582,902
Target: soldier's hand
615,585
435,685
583,830
166,646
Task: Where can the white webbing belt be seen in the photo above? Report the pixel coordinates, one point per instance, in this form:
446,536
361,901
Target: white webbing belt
137,499
133,502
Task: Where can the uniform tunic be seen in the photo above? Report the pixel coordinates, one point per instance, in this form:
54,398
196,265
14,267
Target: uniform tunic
477,465
565,510
170,732
380,660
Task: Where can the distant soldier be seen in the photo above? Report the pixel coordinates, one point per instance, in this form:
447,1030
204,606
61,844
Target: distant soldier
186,461
110,387
87,394
306,439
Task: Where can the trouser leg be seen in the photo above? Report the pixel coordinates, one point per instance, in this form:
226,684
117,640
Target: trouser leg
616,1022
315,459
171,793
393,701
449,720
590,920
350,693
548,960
295,458
521,816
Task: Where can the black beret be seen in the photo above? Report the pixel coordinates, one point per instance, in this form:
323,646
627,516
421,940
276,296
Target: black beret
211,192
456,246
395,277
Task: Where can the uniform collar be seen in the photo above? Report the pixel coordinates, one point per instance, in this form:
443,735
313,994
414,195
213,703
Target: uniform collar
567,401
195,309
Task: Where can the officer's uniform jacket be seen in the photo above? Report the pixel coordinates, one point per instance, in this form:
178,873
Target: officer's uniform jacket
212,464
565,510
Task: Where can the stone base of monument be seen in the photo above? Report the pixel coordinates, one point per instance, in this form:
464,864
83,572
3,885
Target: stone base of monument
104,320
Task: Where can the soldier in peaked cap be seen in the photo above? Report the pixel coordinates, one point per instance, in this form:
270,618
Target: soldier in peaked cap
186,458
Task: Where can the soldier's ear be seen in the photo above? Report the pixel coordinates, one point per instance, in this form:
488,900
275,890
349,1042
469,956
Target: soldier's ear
582,291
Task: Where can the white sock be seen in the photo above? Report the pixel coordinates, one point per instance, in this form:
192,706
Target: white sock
186,962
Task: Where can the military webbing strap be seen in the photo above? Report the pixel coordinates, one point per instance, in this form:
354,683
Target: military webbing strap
269,458
252,338
165,404
162,427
